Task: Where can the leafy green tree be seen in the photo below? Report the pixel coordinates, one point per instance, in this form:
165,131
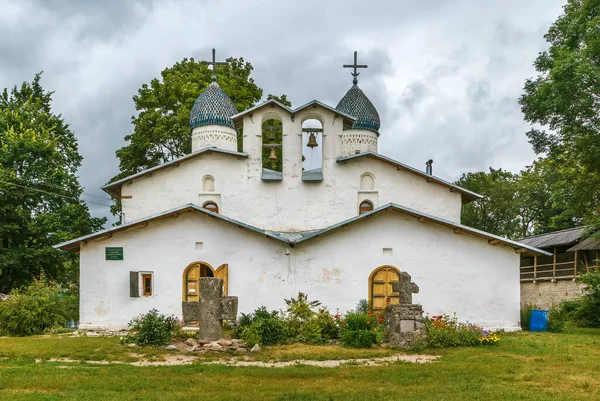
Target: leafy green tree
161,130
563,105
39,188
497,211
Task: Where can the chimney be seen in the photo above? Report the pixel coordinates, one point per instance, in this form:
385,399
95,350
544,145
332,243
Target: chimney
429,168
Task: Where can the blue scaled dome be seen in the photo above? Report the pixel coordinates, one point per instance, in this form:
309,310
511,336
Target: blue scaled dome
213,107
358,105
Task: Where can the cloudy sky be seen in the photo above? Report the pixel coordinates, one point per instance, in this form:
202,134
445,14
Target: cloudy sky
445,75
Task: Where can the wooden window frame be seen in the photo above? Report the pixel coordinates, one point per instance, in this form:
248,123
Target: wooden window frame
144,277
362,210
215,208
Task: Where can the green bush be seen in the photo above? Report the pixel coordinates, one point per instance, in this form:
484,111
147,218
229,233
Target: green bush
359,338
261,327
526,315
152,328
307,324
37,308
362,330
588,310
557,319
362,306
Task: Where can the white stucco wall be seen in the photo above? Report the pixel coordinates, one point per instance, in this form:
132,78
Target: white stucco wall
455,272
291,204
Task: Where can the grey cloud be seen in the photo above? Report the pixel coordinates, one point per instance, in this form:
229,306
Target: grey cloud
444,76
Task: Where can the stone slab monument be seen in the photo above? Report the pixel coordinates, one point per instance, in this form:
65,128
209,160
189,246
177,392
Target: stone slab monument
404,321
211,309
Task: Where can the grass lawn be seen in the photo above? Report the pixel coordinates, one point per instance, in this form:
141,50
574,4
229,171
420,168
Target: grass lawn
536,366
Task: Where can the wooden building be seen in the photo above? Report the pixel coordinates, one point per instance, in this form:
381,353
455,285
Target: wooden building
549,279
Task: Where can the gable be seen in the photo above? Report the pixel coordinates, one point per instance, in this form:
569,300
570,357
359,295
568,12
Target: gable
466,195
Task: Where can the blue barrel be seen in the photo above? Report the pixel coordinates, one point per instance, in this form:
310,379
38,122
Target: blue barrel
538,320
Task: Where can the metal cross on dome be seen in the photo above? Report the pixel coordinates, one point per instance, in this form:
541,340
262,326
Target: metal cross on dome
214,63
355,74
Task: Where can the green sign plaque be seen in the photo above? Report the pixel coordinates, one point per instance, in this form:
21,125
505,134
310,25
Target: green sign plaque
114,253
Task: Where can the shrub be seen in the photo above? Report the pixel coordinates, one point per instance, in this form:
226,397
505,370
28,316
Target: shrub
588,311
37,308
152,328
261,327
556,318
526,315
360,330
362,306
359,338
307,324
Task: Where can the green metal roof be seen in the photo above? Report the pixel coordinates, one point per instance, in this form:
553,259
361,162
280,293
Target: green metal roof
292,239
213,107
357,104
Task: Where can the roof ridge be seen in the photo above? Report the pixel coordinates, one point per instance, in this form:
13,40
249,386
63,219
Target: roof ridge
552,232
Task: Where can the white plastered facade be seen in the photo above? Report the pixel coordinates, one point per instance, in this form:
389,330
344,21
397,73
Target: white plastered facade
455,272
290,204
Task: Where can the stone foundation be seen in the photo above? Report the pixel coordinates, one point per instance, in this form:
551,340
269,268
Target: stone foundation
404,324
545,293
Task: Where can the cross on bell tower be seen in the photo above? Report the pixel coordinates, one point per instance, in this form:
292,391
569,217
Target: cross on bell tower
214,63
355,74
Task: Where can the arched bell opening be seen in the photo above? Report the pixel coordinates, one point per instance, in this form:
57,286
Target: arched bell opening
312,145
272,151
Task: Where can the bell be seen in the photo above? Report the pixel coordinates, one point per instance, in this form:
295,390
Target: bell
312,141
272,155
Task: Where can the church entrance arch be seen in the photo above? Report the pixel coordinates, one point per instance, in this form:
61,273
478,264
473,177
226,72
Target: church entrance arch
381,293
193,272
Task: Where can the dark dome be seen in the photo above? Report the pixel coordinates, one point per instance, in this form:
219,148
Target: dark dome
358,105
213,107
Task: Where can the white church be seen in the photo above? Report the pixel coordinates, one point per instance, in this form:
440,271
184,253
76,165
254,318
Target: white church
308,204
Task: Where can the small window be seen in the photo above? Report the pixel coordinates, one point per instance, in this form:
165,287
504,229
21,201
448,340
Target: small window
147,284
365,206
211,206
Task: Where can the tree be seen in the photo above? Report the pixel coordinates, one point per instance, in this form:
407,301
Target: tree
39,188
497,211
161,130
563,105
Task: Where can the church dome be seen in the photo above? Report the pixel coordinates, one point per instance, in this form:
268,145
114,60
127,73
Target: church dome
358,105
213,107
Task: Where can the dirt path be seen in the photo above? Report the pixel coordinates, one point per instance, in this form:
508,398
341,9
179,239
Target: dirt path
178,359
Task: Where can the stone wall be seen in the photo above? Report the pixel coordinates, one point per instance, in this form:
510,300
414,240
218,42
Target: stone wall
544,294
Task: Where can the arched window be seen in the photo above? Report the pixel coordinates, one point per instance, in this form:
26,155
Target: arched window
365,206
211,206
367,182
208,184
380,287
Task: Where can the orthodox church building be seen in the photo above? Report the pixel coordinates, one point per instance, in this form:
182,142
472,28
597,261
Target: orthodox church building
276,200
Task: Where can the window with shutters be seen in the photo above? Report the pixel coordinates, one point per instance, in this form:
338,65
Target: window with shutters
147,284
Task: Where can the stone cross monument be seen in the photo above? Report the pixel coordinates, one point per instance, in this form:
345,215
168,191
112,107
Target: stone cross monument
404,321
211,309
405,287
